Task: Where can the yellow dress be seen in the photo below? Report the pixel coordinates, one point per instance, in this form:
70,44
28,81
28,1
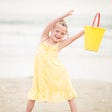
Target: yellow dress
51,82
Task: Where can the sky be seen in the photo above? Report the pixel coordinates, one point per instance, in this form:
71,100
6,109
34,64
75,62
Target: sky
54,6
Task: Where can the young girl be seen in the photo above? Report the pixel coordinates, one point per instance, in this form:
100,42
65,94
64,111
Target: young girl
51,82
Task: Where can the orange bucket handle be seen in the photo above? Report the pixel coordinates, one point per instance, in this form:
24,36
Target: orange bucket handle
98,22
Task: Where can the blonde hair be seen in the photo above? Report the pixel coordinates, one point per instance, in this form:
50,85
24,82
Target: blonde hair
63,23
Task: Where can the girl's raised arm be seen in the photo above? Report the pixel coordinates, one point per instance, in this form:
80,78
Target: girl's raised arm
50,26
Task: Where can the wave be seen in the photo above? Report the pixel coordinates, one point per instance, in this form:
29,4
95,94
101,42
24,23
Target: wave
43,19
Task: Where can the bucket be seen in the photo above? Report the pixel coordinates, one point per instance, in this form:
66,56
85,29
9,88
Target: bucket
93,35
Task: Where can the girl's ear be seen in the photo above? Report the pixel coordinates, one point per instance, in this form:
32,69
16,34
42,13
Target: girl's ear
67,35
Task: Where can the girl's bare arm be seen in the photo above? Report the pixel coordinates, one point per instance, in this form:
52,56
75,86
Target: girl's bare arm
50,26
68,41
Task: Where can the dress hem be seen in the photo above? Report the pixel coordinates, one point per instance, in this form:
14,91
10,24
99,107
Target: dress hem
52,101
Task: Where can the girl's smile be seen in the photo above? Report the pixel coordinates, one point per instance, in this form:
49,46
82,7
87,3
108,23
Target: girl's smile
58,33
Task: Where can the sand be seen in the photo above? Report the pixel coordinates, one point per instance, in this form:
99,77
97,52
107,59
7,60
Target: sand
93,96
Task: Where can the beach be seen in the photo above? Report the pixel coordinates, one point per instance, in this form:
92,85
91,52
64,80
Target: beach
21,25
93,96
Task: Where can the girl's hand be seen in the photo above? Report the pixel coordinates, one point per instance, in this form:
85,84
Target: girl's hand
68,13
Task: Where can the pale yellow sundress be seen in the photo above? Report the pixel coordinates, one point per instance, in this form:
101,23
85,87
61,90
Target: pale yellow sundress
51,82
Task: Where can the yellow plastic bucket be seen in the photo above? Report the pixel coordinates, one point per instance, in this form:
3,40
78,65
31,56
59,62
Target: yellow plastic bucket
93,35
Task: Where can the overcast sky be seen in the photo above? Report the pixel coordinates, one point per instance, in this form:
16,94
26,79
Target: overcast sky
57,6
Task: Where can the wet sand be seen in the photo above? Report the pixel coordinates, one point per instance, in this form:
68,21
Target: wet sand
93,96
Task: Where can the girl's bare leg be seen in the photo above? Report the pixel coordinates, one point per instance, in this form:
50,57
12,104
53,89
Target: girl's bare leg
72,105
30,105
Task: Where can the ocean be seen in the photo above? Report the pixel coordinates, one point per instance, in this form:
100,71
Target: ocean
19,36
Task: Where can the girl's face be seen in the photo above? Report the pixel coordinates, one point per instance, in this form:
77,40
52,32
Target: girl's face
58,33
